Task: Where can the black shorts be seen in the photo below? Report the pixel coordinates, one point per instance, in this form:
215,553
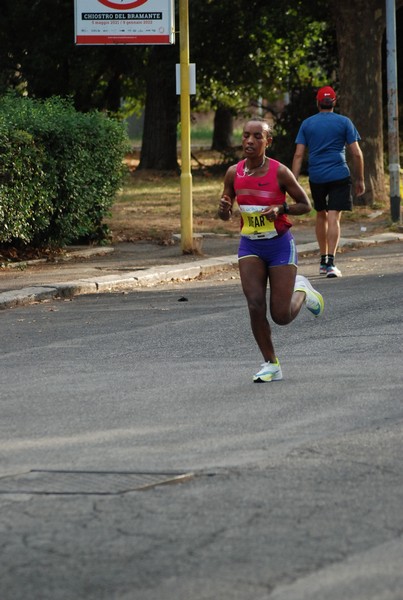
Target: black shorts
332,195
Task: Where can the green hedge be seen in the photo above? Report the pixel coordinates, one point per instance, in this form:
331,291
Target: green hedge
59,171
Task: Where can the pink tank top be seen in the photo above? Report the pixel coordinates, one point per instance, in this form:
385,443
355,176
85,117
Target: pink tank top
255,193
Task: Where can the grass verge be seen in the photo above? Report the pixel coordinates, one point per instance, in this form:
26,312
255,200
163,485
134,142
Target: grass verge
149,205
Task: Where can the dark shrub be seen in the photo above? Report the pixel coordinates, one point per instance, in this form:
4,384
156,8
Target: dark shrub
59,171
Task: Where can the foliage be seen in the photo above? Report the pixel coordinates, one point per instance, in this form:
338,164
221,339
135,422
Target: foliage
264,49
38,57
59,171
261,51
244,50
26,188
260,48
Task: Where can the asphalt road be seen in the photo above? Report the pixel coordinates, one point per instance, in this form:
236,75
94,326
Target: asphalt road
281,491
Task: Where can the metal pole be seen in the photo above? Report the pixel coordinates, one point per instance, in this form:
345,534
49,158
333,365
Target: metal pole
393,122
186,174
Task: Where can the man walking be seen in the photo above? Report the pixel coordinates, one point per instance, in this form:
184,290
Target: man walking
326,135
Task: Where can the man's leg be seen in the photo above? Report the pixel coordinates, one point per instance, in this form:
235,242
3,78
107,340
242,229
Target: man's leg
333,236
321,230
333,231
340,199
319,193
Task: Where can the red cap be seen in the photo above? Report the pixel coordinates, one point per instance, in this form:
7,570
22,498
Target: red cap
326,95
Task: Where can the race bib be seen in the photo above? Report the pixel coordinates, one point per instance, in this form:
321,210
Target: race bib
256,224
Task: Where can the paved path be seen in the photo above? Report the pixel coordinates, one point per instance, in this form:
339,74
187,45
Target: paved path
83,270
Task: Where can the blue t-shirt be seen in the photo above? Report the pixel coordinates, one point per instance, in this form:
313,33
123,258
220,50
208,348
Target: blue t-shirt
326,135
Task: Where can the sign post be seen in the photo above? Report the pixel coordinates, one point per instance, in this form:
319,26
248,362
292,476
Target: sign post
186,174
393,109
99,22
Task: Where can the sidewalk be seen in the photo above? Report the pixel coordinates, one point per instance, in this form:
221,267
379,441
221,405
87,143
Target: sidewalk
127,266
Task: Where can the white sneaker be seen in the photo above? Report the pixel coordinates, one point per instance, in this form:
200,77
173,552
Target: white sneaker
268,372
313,299
333,271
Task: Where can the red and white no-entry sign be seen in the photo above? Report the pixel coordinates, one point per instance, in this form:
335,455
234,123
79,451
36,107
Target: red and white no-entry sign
99,22
123,5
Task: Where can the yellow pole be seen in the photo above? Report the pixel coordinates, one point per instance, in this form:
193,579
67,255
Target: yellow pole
186,174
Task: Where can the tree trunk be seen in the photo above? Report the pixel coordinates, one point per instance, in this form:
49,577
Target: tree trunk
112,94
223,129
159,143
360,25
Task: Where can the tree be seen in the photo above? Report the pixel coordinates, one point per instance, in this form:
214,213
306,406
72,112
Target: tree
244,49
223,129
264,50
360,27
158,150
38,56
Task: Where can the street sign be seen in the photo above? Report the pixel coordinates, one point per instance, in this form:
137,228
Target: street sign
131,22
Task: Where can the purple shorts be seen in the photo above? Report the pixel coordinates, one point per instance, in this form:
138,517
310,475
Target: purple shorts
280,250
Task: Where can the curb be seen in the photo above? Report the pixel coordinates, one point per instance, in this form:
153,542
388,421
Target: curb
154,275
116,283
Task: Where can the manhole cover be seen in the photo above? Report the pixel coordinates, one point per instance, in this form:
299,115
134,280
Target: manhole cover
86,482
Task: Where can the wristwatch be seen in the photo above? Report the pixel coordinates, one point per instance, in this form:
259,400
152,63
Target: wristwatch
286,208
